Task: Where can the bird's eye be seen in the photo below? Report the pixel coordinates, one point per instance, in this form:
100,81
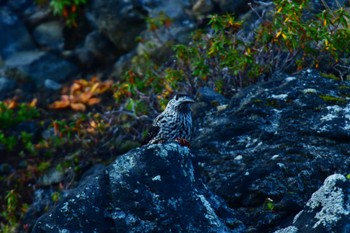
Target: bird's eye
175,97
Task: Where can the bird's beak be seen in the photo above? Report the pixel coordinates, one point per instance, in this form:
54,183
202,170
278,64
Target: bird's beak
188,100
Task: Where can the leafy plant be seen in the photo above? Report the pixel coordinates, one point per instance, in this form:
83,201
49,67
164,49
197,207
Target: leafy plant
227,58
269,204
10,212
68,9
12,113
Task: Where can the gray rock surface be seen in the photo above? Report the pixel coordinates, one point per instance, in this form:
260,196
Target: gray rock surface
328,209
6,85
120,21
50,35
234,6
272,147
39,66
151,189
14,35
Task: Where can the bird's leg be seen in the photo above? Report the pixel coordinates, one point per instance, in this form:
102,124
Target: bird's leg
183,142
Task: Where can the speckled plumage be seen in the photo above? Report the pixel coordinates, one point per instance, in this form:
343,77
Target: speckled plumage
175,122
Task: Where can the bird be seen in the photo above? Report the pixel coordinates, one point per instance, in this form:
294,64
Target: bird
174,123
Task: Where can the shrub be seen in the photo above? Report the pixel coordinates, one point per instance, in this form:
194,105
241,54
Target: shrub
227,57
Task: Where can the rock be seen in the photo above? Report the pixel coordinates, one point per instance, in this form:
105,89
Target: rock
42,200
175,9
97,50
14,35
124,25
85,57
328,209
274,144
45,199
38,15
120,21
319,6
233,6
182,24
40,66
53,176
150,189
208,95
52,85
50,35
202,7
123,63
6,85
99,45
19,5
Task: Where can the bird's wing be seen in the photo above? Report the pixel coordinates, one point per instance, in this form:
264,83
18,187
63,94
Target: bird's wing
156,120
153,130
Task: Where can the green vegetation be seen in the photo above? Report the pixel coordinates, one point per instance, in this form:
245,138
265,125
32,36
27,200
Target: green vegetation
68,9
289,40
269,205
330,76
11,115
333,99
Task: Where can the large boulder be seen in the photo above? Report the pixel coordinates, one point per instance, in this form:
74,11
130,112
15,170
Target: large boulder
150,189
14,35
270,149
6,85
120,21
328,209
50,35
39,66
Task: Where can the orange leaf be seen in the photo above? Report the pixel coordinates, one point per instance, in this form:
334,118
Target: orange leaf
65,98
78,106
94,79
56,128
75,87
82,82
65,12
105,86
33,103
94,88
93,101
59,104
73,8
84,97
11,104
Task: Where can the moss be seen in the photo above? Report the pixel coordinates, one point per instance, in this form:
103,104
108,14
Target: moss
257,101
343,87
330,76
332,99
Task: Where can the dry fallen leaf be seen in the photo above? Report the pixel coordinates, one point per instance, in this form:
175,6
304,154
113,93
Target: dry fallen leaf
83,97
33,103
78,106
82,93
59,104
74,88
93,101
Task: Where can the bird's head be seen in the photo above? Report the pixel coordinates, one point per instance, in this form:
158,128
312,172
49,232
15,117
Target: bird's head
180,103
